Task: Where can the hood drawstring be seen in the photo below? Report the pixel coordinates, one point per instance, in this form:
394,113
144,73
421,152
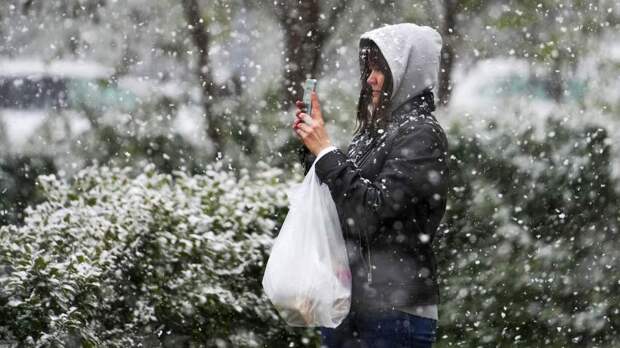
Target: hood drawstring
368,265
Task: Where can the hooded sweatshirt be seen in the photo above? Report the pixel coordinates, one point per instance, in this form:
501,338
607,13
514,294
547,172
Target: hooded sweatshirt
413,56
412,53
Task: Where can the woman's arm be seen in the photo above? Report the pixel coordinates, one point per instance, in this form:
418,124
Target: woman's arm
307,158
415,171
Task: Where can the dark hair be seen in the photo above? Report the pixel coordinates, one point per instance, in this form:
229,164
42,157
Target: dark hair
370,56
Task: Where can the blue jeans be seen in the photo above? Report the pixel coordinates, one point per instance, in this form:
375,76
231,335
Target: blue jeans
390,328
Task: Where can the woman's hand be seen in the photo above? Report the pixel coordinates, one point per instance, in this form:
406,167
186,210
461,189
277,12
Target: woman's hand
311,132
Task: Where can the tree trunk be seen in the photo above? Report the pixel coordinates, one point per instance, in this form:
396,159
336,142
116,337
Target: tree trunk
449,35
201,38
556,85
305,34
300,23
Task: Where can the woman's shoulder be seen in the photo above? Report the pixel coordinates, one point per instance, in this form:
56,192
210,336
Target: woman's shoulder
420,127
413,122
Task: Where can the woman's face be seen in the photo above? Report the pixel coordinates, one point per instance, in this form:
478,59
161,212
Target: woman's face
375,81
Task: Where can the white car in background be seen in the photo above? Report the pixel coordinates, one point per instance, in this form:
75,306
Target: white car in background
492,83
32,90
84,92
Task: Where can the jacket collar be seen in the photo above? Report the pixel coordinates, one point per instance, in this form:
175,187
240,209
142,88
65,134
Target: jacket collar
419,106
422,104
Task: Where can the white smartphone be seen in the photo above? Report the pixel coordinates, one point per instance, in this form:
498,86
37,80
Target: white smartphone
308,88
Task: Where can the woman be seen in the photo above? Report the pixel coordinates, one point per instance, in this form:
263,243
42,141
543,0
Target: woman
390,189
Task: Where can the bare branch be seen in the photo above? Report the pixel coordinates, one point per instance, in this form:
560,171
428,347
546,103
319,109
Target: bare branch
335,14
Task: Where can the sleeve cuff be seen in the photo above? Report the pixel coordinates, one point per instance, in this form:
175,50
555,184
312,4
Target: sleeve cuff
324,151
331,163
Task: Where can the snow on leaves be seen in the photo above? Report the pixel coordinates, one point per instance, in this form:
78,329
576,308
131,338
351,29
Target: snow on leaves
114,259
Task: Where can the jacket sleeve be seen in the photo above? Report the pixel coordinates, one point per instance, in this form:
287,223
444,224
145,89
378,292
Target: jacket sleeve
414,172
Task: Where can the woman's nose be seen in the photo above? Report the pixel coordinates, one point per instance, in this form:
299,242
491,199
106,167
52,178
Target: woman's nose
371,80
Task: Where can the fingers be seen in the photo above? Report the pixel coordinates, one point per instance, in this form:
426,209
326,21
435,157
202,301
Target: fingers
296,124
303,117
298,132
315,104
305,128
306,119
302,129
301,106
304,123
301,133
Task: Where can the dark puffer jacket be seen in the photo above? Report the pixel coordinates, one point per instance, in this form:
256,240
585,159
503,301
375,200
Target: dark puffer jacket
390,191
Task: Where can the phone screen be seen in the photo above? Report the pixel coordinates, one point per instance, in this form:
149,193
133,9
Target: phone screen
308,88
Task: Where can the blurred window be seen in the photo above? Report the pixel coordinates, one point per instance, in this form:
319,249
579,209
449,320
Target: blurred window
98,95
32,93
47,92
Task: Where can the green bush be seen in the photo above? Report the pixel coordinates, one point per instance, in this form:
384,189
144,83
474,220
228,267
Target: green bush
18,176
529,250
157,260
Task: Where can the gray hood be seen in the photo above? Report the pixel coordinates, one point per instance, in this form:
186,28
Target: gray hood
412,53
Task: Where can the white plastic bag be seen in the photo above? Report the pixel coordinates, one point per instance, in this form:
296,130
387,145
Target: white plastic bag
307,277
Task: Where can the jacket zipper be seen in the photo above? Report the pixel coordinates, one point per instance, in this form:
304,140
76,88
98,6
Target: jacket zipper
369,264
366,155
362,160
